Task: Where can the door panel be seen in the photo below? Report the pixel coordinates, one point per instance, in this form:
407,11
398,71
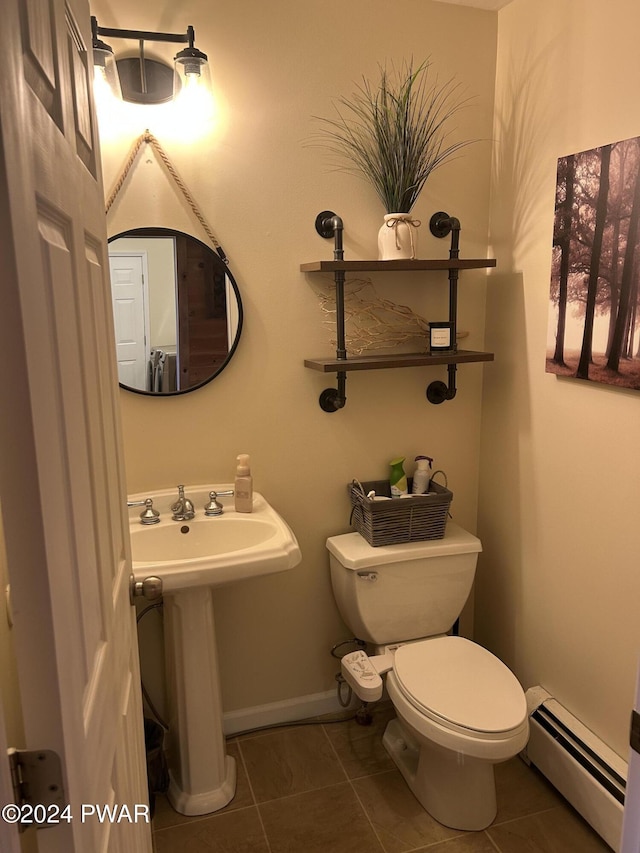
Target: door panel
61,471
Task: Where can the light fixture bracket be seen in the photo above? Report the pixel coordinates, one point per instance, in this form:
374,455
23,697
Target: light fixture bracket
145,81
143,35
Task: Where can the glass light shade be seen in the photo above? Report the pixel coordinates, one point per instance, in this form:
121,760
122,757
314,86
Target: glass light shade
191,74
106,78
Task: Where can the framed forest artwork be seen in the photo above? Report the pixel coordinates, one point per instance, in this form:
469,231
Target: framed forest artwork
594,322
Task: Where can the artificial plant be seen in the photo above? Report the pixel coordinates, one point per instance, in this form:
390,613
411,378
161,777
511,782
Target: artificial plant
395,132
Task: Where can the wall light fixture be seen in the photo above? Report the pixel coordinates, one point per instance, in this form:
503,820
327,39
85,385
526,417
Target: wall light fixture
142,80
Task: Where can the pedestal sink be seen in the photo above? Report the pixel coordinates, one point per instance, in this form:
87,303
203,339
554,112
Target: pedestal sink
192,558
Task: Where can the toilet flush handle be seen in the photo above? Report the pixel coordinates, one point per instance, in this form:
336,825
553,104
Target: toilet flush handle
368,576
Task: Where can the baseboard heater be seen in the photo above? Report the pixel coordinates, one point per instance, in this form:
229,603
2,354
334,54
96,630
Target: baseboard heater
578,764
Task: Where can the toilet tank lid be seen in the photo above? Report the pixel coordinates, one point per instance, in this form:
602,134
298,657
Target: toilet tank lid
354,552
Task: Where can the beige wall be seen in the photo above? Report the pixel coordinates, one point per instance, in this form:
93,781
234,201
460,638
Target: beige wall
275,66
9,694
558,585
8,672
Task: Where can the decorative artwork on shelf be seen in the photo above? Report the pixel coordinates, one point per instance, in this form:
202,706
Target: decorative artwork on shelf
594,323
372,322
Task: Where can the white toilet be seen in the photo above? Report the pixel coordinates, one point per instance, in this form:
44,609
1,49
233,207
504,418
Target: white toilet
460,709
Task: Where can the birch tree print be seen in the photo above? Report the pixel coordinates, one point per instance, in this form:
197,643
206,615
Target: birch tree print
593,331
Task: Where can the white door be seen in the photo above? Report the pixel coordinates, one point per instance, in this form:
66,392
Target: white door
61,472
131,318
631,822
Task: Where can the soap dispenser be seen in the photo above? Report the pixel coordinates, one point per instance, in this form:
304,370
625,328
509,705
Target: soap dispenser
243,485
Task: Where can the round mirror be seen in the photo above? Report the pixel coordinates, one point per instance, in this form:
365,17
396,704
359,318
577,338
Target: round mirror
177,311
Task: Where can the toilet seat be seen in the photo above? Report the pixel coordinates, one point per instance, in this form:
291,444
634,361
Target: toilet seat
461,686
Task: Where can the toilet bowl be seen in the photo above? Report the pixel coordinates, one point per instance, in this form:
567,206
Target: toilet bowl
460,710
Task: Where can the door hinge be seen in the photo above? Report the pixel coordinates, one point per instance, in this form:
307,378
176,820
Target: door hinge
38,790
634,738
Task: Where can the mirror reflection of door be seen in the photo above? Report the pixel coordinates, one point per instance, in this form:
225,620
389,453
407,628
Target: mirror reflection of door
177,329
130,316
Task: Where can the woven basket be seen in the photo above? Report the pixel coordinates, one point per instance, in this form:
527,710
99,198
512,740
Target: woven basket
399,520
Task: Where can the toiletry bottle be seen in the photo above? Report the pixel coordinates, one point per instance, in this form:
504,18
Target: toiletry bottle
243,485
422,475
398,478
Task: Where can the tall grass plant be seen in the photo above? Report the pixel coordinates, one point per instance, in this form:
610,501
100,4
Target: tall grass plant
395,132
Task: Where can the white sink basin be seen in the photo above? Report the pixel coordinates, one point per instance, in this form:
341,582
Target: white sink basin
210,551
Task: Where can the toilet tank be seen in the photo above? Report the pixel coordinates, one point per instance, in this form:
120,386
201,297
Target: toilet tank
402,592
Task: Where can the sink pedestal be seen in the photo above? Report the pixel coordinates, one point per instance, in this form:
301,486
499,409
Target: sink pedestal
203,776
192,558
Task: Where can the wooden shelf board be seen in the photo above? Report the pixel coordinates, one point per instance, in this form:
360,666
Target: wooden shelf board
396,266
381,362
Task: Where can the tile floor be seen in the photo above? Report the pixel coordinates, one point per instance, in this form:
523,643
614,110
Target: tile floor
331,788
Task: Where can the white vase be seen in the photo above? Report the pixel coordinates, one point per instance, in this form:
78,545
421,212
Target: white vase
398,237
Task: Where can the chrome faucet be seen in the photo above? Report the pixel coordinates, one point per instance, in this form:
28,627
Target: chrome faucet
182,509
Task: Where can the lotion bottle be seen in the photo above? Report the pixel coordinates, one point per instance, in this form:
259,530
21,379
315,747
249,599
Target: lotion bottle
422,475
243,485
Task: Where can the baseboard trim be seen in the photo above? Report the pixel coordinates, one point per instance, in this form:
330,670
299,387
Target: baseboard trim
286,711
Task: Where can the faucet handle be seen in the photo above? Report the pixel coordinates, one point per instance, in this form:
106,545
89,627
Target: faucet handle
149,515
214,507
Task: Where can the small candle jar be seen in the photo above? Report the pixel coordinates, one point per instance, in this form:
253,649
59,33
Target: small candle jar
441,337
